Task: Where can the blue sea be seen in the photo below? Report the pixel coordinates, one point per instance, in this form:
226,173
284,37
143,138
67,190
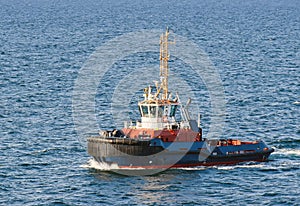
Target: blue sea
253,45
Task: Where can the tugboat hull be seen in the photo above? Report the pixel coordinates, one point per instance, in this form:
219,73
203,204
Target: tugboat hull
130,153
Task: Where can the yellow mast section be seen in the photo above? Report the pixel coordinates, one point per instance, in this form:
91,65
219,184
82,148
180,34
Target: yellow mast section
164,67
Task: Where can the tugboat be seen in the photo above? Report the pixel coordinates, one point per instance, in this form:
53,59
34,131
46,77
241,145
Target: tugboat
160,141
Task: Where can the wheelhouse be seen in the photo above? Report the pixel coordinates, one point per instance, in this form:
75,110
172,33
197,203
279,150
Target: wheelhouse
157,114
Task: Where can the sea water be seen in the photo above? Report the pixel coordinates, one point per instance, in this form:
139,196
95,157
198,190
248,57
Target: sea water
253,45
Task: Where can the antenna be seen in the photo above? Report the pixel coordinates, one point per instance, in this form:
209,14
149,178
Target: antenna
199,123
164,58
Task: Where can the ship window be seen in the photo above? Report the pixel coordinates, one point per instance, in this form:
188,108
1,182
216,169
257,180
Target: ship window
152,111
166,113
160,111
145,111
173,110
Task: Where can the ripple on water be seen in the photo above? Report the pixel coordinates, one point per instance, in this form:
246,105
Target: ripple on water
254,47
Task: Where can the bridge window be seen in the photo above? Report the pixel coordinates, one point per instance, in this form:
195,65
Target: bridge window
145,111
160,111
173,110
152,111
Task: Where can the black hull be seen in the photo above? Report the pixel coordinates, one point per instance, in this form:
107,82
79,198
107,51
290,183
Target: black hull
130,153
111,147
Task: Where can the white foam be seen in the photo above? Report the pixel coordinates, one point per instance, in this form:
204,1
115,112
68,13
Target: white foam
259,165
93,164
295,152
190,168
225,167
296,102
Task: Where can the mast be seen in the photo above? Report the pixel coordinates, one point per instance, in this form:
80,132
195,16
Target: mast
164,67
